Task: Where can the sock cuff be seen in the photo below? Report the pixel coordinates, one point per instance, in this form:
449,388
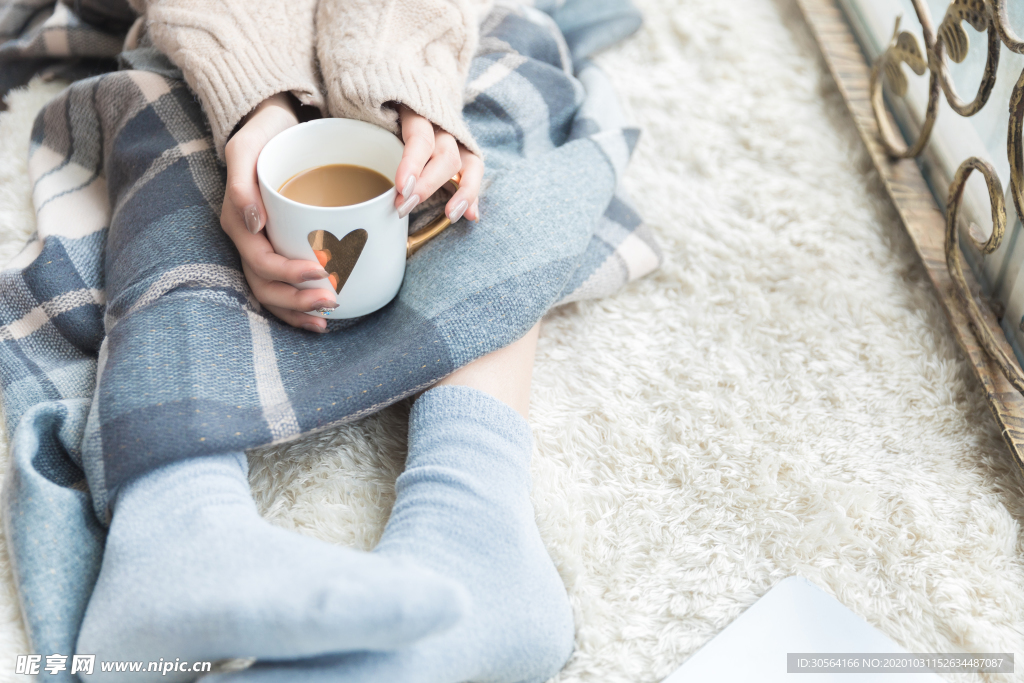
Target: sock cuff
191,475
461,419
466,403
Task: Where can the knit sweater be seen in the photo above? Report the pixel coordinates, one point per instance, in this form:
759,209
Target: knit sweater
348,58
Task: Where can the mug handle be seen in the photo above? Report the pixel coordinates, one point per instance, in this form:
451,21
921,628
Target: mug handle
433,228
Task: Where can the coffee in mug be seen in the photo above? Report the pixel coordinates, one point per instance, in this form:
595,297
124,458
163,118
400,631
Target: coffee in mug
335,185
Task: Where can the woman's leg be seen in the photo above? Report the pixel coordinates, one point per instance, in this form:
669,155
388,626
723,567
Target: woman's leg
190,570
504,374
463,509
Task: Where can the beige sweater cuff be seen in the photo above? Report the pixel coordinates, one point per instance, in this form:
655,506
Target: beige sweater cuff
376,53
229,59
368,93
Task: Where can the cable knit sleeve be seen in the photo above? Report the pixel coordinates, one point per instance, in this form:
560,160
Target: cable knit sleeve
235,54
374,53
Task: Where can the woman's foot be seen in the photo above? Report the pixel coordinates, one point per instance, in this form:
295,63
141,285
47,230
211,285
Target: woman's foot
463,509
192,572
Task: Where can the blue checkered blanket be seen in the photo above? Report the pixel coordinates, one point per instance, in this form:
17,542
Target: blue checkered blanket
128,335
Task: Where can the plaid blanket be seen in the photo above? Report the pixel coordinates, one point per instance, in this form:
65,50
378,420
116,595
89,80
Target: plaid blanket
128,335
51,39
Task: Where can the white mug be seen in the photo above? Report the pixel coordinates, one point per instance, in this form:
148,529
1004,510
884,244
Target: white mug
369,243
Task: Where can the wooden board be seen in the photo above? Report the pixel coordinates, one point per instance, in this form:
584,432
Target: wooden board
920,214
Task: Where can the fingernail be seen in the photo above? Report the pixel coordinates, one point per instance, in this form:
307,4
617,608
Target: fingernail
410,184
252,218
310,327
324,303
457,212
313,275
408,205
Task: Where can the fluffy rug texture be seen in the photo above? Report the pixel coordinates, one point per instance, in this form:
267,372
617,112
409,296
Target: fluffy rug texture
783,397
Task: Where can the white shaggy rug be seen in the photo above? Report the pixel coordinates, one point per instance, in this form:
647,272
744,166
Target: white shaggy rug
783,397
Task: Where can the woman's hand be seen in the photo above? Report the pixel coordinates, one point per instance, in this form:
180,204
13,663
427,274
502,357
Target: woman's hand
431,158
271,277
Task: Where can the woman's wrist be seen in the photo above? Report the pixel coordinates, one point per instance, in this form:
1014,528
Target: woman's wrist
281,104
282,100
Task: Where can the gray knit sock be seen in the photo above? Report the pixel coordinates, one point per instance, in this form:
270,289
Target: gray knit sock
463,508
192,572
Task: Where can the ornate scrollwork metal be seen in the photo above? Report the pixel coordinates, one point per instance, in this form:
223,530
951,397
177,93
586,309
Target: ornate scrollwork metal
952,38
1006,33
952,41
903,49
954,259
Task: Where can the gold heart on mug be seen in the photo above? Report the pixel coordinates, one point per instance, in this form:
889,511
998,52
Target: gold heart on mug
338,257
